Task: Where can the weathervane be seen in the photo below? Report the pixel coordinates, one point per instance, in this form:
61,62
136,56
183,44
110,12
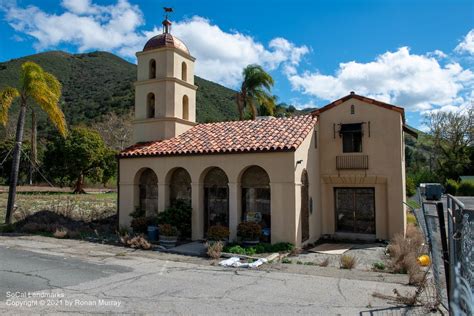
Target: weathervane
166,22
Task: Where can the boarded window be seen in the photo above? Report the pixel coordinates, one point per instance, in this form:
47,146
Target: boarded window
216,199
304,206
180,187
148,192
256,199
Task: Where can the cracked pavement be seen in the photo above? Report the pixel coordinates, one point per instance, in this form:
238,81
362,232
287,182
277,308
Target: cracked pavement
155,283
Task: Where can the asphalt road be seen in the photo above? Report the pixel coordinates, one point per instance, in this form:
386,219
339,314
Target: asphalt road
75,277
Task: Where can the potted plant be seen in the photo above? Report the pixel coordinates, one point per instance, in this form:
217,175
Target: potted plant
249,232
168,235
218,233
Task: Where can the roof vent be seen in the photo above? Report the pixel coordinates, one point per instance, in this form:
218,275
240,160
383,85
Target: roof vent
352,92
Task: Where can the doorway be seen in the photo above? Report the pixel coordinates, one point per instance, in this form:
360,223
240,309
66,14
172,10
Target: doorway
355,210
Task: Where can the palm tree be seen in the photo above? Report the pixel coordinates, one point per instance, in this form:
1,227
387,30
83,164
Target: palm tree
255,90
43,89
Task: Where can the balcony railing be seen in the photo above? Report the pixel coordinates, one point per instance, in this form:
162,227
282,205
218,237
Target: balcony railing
352,162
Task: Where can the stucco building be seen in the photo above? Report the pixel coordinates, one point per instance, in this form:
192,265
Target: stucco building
338,171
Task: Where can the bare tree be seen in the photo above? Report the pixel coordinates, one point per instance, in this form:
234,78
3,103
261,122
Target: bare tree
116,130
453,135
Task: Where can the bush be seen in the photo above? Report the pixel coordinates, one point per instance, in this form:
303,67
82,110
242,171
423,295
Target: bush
60,232
249,231
218,232
451,186
168,230
7,228
137,242
140,224
259,248
347,262
411,219
410,186
379,266
214,250
466,188
286,261
404,251
179,215
235,249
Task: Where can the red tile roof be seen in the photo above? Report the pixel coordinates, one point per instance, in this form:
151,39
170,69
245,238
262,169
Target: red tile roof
280,134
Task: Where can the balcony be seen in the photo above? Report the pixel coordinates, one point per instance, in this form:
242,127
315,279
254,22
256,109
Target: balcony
352,162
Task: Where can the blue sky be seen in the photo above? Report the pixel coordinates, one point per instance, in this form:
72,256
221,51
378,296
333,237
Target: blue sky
416,54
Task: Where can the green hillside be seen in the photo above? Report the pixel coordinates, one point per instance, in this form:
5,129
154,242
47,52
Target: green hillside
97,83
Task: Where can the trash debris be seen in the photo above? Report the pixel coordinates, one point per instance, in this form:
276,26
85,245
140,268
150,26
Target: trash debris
235,263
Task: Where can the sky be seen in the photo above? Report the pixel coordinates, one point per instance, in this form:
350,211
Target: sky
418,54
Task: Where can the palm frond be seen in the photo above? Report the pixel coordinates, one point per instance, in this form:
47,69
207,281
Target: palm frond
7,95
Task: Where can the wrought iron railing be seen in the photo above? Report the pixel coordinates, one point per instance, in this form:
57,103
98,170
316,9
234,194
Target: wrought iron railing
352,162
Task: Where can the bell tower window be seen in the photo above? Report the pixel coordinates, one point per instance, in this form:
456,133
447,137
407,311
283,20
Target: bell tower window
150,113
152,69
184,70
185,107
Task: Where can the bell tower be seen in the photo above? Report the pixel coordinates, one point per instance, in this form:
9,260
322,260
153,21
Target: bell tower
165,94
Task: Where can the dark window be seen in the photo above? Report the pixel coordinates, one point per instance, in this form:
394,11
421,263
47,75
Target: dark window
351,138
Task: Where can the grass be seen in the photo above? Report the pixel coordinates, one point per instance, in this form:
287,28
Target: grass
347,262
413,204
77,206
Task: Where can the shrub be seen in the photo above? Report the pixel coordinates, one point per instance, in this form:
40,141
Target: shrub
179,215
218,232
404,251
214,250
235,249
286,261
168,230
140,224
137,242
379,266
411,219
466,188
451,187
60,232
249,231
7,228
347,262
324,263
410,186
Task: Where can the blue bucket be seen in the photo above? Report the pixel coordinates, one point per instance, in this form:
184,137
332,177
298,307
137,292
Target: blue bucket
152,233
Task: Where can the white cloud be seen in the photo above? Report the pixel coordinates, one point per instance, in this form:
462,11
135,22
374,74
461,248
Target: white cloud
417,82
467,45
222,55
84,25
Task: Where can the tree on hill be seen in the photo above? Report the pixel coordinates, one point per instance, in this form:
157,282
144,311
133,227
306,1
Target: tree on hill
453,138
255,92
82,154
36,87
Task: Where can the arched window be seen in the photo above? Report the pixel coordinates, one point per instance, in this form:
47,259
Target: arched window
256,199
184,71
150,101
148,192
180,187
216,198
304,206
185,107
152,69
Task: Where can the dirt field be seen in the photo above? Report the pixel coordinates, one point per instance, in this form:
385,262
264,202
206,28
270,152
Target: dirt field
84,206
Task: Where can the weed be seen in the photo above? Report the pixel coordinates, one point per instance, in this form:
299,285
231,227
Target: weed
347,262
138,242
309,263
286,261
324,263
214,250
299,262
60,232
378,266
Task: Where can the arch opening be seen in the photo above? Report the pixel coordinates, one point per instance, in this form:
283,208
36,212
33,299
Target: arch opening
256,199
180,187
150,113
304,206
185,107
216,199
147,192
152,69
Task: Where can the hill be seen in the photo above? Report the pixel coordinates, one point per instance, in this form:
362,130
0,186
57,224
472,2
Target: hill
97,83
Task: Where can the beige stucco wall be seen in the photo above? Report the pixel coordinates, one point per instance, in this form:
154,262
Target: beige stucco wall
280,167
386,172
